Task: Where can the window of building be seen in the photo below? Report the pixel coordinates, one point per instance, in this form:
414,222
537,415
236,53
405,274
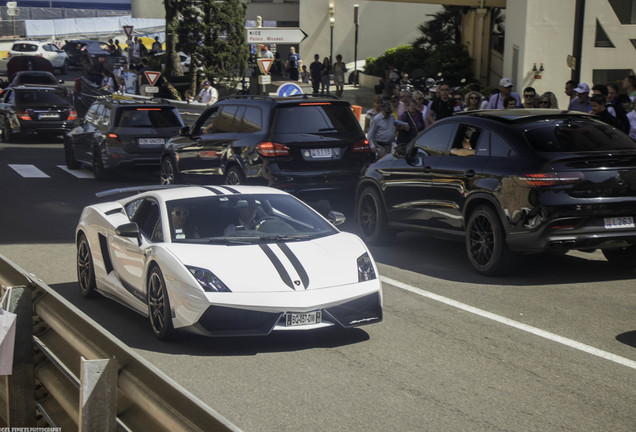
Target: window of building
601,40
625,10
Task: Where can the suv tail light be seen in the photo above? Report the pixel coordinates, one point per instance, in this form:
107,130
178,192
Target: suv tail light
72,115
362,146
23,115
272,149
112,139
550,179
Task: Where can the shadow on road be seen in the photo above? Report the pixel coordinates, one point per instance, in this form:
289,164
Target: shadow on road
134,330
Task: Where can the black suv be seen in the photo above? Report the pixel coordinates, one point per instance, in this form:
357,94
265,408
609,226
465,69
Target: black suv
305,146
121,132
525,181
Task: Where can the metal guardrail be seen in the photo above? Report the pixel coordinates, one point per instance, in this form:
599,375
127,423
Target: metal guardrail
70,373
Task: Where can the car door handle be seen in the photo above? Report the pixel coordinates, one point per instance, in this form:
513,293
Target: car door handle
469,173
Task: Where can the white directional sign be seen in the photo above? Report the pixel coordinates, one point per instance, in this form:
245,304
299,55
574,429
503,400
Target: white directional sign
269,35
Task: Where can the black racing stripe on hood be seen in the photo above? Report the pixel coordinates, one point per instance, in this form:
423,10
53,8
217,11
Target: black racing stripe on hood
280,268
304,277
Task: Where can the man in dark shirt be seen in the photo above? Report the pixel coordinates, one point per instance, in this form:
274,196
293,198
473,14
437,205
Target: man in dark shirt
315,69
598,108
442,106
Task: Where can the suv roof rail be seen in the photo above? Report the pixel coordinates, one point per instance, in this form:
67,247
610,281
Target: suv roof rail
274,98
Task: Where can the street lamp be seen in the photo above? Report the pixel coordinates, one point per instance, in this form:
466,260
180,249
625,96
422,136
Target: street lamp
332,21
356,20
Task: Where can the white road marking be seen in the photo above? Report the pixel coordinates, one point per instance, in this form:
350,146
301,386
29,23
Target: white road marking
512,323
79,173
28,171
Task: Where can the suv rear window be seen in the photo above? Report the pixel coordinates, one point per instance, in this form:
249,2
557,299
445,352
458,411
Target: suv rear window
142,117
578,136
36,79
40,97
315,117
24,47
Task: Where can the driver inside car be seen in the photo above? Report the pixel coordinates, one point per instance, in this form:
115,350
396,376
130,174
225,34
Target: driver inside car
182,229
247,211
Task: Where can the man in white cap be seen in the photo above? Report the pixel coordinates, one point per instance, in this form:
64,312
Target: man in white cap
208,94
582,100
497,101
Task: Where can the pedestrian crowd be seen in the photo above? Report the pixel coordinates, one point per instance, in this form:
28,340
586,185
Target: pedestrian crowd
401,112
126,75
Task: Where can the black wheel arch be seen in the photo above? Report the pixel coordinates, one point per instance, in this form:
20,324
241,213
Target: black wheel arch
362,185
479,199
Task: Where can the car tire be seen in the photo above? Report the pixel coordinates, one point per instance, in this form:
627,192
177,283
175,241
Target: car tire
168,172
353,77
234,176
100,172
85,269
485,241
64,68
371,217
69,155
7,135
159,305
622,257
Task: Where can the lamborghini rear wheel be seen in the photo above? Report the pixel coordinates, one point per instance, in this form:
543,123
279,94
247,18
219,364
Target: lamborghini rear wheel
85,269
159,305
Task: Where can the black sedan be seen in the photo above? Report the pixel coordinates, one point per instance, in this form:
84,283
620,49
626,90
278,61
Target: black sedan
116,133
35,110
526,181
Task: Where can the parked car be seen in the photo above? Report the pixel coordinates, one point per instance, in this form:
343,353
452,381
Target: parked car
35,77
227,261
537,181
35,110
83,53
121,132
305,146
47,50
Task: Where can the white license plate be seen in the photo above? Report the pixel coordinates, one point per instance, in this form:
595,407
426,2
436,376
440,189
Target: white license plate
300,319
619,222
151,141
320,153
47,116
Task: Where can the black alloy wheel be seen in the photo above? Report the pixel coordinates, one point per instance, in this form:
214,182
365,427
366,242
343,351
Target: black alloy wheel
234,176
371,217
622,257
485,241
168,172
85,269
99,170
159,305
7,135
69,155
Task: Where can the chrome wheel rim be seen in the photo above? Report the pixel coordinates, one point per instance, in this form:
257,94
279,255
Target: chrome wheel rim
84,268
156,303
167,173
233,178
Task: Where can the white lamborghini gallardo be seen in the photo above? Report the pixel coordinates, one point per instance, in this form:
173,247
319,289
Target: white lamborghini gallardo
225,261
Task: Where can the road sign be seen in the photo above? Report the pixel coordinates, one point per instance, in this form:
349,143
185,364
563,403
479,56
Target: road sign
269,35
289,89
264,79
152,77
151,89
13,11
128,30
571,62
264,64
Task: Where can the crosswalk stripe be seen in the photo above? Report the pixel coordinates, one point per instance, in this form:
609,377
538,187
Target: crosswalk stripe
79,173
28,171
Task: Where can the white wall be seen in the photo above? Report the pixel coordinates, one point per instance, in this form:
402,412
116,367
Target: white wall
382,26
544,31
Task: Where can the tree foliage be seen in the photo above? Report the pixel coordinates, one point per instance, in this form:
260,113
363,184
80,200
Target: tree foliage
437,53
212,33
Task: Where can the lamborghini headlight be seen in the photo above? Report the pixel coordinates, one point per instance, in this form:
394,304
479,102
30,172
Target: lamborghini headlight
365,268
208,280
